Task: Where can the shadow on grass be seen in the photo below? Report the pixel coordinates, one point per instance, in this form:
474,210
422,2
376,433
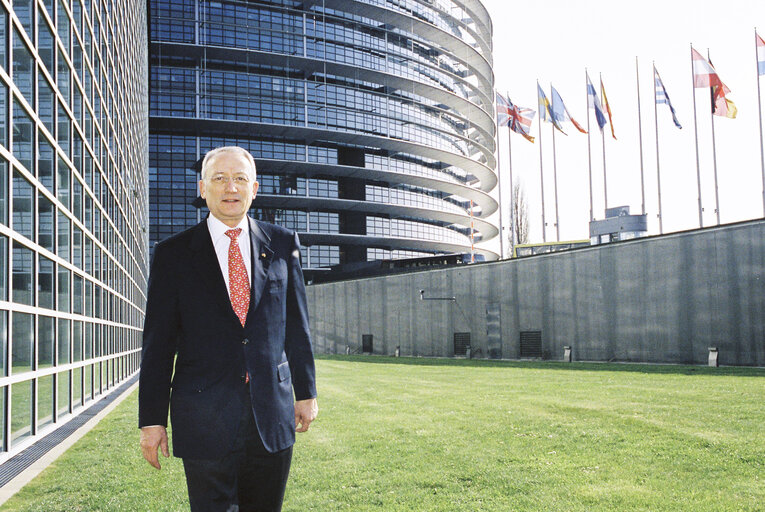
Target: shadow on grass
552,365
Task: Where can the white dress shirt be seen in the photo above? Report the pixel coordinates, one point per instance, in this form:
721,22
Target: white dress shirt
221,242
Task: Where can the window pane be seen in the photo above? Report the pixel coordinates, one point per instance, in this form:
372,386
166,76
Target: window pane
22,67
76,246
63,341
22,135
45,279
63,393
3,110
23,201
63,289
3,346
88,382
45,222
63,178
63,235
22,275
23,341
21,410
24,11
77,294
87,343
3,182
76,341
46,105
45,163
44,400
3,266
46,336
76,388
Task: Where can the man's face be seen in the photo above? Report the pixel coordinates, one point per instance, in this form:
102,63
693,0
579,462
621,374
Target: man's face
229,187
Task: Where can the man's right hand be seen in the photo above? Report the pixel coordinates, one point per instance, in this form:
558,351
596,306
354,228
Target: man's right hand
152,438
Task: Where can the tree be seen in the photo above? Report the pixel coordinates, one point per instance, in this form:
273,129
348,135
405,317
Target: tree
520,213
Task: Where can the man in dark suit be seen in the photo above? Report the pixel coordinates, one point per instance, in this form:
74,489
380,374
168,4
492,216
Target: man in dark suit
226,302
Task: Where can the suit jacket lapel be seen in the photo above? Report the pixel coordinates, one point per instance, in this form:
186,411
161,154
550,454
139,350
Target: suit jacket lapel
208,269
261,255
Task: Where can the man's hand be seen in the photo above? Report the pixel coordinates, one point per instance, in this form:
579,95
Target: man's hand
305,413
152,438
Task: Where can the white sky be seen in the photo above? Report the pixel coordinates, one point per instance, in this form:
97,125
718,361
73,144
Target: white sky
555,40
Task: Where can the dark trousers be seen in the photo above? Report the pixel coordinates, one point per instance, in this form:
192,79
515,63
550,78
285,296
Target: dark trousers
247,479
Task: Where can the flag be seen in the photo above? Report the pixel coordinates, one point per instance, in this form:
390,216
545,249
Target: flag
704,75
594,103
607,107
721,106
760,54
663,97
545,111
516,118
560,112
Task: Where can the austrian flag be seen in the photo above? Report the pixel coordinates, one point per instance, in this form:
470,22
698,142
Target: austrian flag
704,75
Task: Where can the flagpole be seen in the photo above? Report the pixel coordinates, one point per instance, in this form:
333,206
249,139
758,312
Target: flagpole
555,180
542,178
605,179
759,113
589,151
696,134
640,132
714,148
658,161
499,190
512,190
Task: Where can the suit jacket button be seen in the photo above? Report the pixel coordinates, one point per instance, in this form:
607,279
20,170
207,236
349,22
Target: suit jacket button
245,341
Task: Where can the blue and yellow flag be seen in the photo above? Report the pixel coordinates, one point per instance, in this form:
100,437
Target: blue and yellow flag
545,111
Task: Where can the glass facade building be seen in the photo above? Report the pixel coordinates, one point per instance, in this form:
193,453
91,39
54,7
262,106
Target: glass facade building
73,207
371,121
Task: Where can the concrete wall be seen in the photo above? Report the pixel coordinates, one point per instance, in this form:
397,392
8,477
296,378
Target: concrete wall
660,299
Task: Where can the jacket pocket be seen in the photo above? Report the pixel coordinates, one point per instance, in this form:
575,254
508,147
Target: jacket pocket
283,371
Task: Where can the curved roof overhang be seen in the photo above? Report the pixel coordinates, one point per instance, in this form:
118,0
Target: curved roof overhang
481,118
486,229
488,180
460,50
487,203
390,243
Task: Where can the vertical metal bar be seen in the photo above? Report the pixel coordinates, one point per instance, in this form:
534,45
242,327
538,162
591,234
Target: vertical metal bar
589,147
696,137
499,187
658,161
555,183
542,176
512,191
640,134
759,116
714,153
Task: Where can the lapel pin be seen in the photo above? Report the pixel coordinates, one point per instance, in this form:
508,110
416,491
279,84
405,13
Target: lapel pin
262,255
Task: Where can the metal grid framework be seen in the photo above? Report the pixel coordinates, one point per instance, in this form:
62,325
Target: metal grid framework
73,208
374,111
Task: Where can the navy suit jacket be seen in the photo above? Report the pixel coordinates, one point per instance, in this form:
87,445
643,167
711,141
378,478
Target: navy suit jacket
189,319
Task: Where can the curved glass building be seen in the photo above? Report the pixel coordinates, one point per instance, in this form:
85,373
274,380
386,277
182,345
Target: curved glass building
73,208
371,121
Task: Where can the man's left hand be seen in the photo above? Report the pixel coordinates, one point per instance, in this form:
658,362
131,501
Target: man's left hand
305,413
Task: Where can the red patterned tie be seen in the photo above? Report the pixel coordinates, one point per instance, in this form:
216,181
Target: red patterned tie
239,285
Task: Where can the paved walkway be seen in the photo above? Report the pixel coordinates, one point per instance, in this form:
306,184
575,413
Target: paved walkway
17,471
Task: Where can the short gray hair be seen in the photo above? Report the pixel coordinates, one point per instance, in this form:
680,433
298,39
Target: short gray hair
210,156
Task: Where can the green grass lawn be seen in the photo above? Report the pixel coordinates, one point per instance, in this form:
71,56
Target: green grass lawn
446,435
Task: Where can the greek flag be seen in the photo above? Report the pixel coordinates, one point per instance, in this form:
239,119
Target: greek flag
663,97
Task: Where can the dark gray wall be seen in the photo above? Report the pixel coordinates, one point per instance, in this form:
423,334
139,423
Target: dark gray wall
662,299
